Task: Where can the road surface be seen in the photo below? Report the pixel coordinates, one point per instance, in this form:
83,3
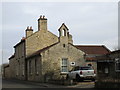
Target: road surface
26,84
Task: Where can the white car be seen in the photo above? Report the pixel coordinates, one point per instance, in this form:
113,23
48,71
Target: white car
82,73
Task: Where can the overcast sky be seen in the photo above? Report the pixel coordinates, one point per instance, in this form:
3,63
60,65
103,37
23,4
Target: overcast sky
89,23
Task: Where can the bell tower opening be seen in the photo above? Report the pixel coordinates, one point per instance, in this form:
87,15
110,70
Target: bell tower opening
63,30
64,36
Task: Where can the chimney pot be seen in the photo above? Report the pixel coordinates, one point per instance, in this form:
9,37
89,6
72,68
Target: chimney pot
27,27
40,16
43,16
42,23
31,27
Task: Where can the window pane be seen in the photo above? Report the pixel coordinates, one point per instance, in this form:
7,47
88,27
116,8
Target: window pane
64,65
64,69
64,62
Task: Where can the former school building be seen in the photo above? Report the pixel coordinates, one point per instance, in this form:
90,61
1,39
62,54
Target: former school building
42,56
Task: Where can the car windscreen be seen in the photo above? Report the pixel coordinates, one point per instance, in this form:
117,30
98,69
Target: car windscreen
86,68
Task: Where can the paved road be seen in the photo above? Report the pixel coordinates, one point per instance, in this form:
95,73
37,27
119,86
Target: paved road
14,84
84,84
26,84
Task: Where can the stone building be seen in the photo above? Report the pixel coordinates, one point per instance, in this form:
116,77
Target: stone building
6,71
42,56
48,56
17,61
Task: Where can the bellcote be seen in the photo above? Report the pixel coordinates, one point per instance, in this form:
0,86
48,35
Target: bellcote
64,36
63,30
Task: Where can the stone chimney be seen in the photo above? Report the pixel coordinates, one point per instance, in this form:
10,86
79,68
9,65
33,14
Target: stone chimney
42,23
29,31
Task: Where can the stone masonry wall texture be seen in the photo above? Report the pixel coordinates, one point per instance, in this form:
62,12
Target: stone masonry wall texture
48,61
50,65
39,40
52,59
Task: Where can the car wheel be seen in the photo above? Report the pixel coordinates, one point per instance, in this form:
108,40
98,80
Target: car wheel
93,79
78,78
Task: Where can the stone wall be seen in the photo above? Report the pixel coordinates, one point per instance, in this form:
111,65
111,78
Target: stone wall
7,72
36,69
39,40
12,65
18,64
49,62
52,60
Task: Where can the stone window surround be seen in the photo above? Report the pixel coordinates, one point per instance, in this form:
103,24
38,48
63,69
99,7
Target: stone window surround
64,65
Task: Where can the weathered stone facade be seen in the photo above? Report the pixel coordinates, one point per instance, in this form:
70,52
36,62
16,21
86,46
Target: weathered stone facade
7,72
12,64
56,54
39,40
17,64
46,55
42,56
50,61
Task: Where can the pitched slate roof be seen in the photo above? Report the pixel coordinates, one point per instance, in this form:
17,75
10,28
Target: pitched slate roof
41,50
93,49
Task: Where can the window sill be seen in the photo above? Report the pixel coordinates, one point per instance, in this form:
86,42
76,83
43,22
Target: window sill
63,73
